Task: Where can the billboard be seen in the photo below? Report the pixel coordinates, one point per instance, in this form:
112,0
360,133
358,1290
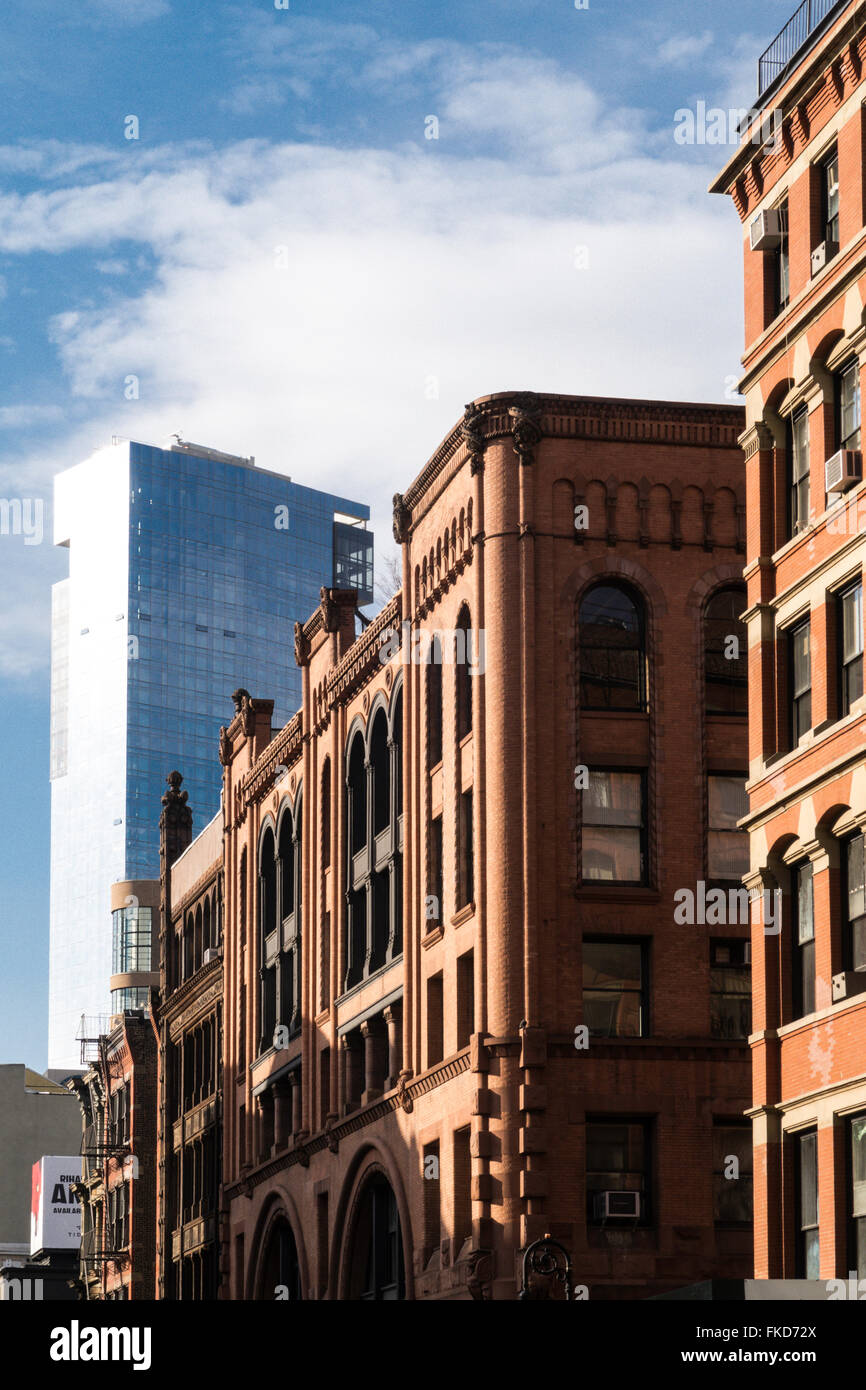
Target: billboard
55,1213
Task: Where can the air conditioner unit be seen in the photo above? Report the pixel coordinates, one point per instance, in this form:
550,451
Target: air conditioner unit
843,470
848,984
765,230
212,953
617,1206
822,254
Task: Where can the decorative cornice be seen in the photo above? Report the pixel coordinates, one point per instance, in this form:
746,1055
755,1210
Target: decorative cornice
282,751
363,655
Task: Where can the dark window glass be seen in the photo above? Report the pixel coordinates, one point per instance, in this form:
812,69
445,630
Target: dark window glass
857,1194
730,989
850,610
462,675
617,1160
803,974
782,263
732,1174
434,704
855,895
848,397
801,681
465,877
726,653
806,1228
613,835
612,656
728,847
830,200
614,988
798,472
435,907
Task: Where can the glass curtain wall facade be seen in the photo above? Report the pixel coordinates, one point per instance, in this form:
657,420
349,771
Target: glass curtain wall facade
187,573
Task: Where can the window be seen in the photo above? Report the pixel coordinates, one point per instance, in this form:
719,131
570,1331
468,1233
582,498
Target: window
732,1174
268,939
432,1211
830,201
462,1155
806,1216
801,681
781,263
613,848
798,472
131,933
434,704
612,654
614,988
730,989
435,1019
465,998
803,972
855,903
850,638
376,1258
728,847
857,1194
462,674
373,924
465,876
617,1160
848,406
434,905
726,653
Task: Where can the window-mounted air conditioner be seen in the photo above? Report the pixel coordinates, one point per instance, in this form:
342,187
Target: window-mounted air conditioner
848,984
843,470
212,953
617,1206
765,230
822,254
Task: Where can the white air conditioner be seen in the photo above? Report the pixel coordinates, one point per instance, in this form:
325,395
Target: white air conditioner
822,254
617,1206
765,230
843,470
848,984
212,953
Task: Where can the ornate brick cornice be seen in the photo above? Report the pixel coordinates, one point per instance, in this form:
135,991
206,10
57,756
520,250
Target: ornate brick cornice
282,751
362,659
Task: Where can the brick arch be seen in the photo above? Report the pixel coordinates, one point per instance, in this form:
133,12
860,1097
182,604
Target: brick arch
718,577
373,1157
279,1206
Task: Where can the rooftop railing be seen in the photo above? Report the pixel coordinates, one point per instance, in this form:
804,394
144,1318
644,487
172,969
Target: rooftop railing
796,33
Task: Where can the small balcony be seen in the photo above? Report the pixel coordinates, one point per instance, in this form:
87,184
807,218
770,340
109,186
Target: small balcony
801,27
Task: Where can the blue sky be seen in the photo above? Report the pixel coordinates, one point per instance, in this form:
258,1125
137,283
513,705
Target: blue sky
290,267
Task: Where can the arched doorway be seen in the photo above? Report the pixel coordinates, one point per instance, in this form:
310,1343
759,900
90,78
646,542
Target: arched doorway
376,1253
280,1275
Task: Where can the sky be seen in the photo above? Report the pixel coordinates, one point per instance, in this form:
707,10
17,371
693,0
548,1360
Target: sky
312,232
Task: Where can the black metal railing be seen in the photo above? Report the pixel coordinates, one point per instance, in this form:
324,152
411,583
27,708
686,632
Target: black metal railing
795,34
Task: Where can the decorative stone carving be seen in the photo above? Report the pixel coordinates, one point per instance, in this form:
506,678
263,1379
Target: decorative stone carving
526,429
473,438
302,645
402,518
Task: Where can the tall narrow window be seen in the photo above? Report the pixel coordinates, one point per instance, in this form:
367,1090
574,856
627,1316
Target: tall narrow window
463,655
433,913
326,814
800,656
612,650
857,1194
726,653
435,1019
807,1233
465,998
850,618
268,939
614,988
855,903
613,848
830,201
465,874
728,846
617,1162
730,989
732,1182
848,406
798,472
781,263
803,971
434,704
462,1189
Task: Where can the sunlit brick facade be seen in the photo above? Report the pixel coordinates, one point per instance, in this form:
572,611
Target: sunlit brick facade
802,202
437,873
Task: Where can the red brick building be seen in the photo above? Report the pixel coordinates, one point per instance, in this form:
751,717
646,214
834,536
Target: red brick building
801,198
461,1009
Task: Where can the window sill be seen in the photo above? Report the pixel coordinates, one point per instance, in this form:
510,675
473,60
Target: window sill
432,937
463,915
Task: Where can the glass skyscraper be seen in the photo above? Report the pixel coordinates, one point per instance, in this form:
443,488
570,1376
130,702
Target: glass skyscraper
187,571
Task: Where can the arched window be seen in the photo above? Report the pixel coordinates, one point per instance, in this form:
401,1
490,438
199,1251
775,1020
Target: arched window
434,703
376,1255
288,963
280,1267
357,796
462,657
268,939
373,935
612,649
726,652
287,867
380,759
326,814
206,926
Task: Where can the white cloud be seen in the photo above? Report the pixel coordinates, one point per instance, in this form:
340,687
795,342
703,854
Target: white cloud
411,281
685,48
24,417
